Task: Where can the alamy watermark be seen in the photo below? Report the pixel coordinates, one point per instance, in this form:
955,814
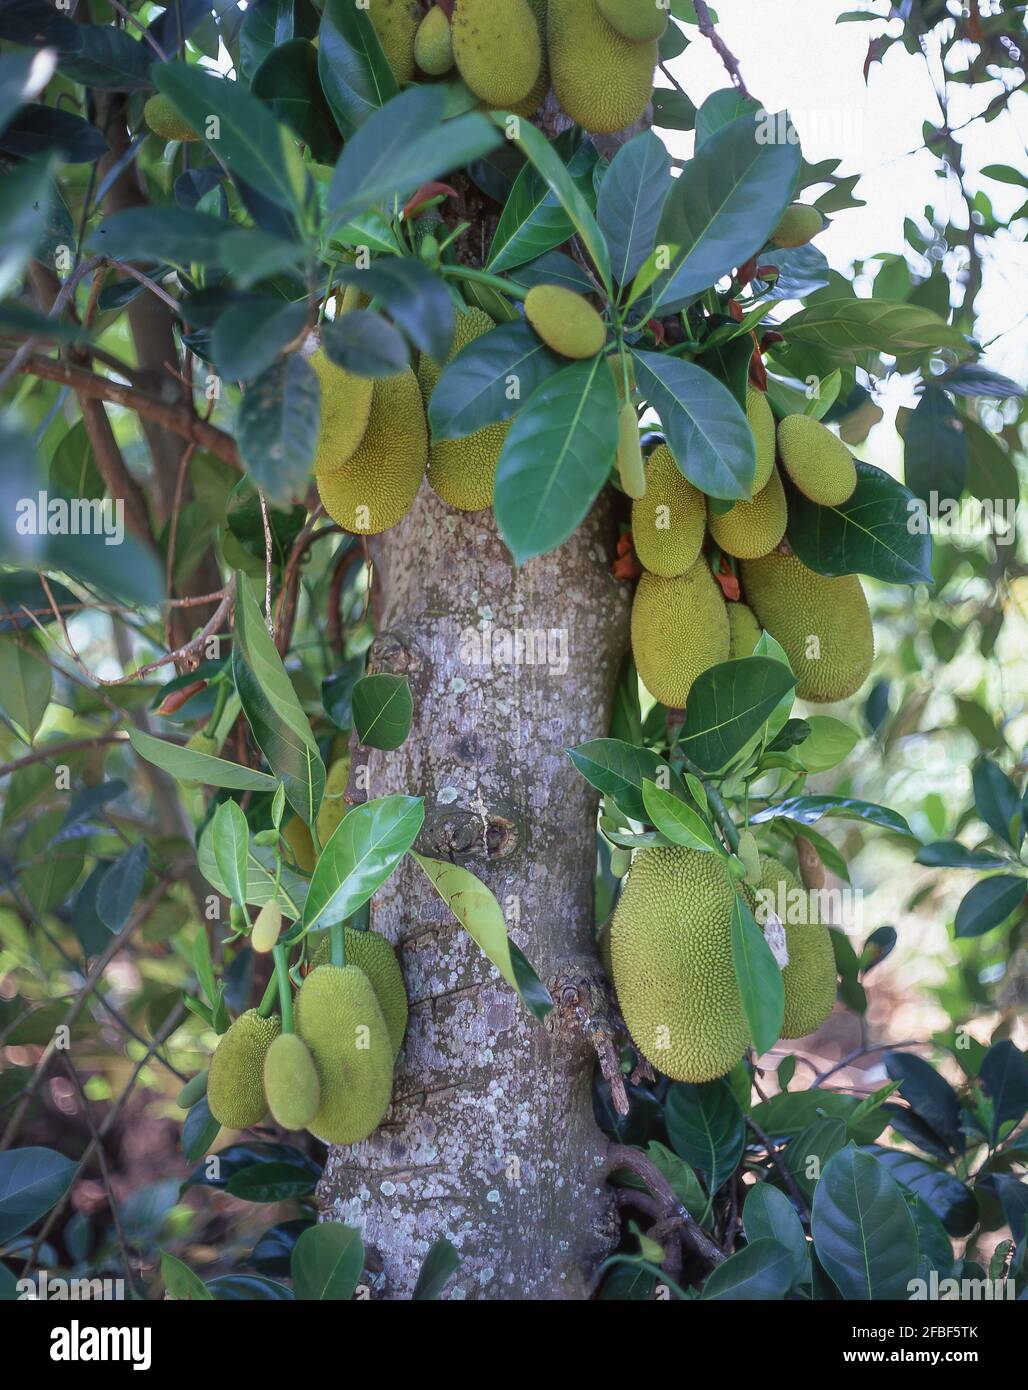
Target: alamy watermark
56,1288
964,518
44,515
521,646
837,130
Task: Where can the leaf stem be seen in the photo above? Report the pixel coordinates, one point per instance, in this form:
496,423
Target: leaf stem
337,944
717,805
482,277
285,993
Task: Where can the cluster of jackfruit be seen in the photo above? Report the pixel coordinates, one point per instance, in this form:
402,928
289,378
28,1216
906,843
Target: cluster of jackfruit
334,1074
681,622
599,55
671,962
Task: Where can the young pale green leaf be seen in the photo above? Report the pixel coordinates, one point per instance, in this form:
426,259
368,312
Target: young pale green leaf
759,977
829,743
845,328
619,769
260,884
280,727
180,1282
230,840
864,1234
327,1262
475,907
189,766
728,704
362,853
382,710
676,820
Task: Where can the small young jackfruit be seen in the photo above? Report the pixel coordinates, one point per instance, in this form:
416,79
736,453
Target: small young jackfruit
671,958
679,630
372,953
235,1083
396,24
297,836
669,521
809,977
338,1017
800,223
291,1082
637,20
743,631
164,118
497,49
333,807
345,412
752,529
816,460
433,43
762,424
823,625
463,471
602,80
191,1092
565,321
266,928
631,466
376,487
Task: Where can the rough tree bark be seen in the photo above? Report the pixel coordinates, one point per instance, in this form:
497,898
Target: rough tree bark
490,1140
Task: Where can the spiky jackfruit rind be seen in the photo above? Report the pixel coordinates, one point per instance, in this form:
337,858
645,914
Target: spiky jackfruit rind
635,20
800,223
164,119
816,460
372,953
762,426
671,958
463,471
743,630
497,49
291,1082
823,625
235,1083
679,630
396,24
345,412
339,1018
433,43
376,487
810,976
602,80
669,520
751,529
565,321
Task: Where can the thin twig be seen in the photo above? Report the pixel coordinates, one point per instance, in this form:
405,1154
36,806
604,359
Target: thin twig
774,1154
693,1234
57,750
728,58
269,617
863,1050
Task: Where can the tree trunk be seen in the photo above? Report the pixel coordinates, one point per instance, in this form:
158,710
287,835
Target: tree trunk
490,1140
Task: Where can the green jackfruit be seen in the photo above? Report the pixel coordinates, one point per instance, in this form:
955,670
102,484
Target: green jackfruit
679,630
631,466
637,20
800,223
565,321
743,631
762,424
338,1017
376,488
809,978
463,471
291,1082
235,1084
816,460
602,80
297,836
433,43
497,49
530,104
824,625
752,529
396,24
164,118
372,953
345,412
191,1092
333,807
671,953
669,521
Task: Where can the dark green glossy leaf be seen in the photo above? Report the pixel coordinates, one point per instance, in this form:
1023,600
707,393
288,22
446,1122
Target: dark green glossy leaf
32,1180
728,704
251,333
440,1264
619,769
366,344
997,802
363,851
416,298
533,220
759,977
199,1131
248,1288
120,887
950,854
705,1126
287,81
37,130
863,1231
278,424
808,809
632,195
935,453
768,1214
929,1095
1004,1074
811,1148
948,1197
179,236
327,1262
271,1182
382,710
763,1270
356,78
989,903
475,388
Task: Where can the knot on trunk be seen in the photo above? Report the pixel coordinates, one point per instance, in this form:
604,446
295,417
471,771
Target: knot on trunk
458,835
394,654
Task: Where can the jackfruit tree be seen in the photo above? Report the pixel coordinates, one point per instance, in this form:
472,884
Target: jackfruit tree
482,572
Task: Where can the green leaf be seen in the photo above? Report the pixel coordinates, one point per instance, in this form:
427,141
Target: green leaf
272,1182
929,1095
989,903
997,802
935,452
355,75
829,743
417,299
438,1267
768,1214
721,108
287,81
759,977
874,533
180,1283
32,1180
706,429
1004,1074
120,887
705,1126
21,590
250,334
722,209
382,710
728,704
248,139
260,886
675,820
813,1146
230,841
533,220
863,1231
556,458
106,57
363,851
808,809
280,727
475,388
476,908
787,1114
366,344
26,683
632,195
327,1262
950,854
188,766
763,1271
179,236
846,328
673,110
619,769
278,425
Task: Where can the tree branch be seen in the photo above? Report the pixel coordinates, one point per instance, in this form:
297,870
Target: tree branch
728,58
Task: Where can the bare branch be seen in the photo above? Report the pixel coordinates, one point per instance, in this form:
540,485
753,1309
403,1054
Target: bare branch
707,29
